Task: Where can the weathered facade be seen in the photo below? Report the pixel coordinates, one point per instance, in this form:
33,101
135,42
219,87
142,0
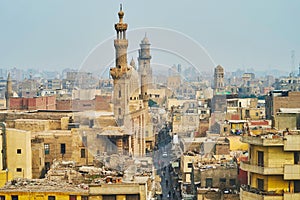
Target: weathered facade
273,167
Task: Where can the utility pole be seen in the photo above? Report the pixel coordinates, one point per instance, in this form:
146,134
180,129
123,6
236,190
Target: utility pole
292,62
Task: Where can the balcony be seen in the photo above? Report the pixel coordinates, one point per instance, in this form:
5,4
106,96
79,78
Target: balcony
289,196
246,166
263,140
291,172
292,143
254,194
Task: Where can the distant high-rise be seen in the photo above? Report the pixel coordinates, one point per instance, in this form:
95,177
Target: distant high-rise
219,79
144,61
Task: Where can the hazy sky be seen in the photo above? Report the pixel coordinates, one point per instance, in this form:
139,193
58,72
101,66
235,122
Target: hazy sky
55,34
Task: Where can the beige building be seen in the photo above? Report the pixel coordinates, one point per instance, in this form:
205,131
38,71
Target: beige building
16,152
138,190
174,82
245,108
287,118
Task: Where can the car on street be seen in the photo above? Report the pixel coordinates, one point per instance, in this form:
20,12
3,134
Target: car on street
165,154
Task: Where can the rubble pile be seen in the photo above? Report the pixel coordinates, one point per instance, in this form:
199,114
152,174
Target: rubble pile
42,185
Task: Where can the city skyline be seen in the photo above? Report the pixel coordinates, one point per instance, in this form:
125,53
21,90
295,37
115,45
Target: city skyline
55,35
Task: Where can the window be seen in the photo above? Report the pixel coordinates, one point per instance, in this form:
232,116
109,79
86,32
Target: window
19,169
19,151
247,113
14,197
119,93
51,197
2,197
82,153
73,197
297,186
47,148
119,111
260,158
222,182
132,197
208,182
84,198
260,184
84,140
296,157
109,197
232,182
63,148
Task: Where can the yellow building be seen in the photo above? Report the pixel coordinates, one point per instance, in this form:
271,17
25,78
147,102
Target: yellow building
120,191
41,189
273,167
16,152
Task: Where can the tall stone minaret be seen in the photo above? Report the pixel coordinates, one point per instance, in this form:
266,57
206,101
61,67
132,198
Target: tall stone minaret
144,87
144,61
121,72
9,91
219,79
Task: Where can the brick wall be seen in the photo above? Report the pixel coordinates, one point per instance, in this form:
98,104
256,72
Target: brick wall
103,102
35,103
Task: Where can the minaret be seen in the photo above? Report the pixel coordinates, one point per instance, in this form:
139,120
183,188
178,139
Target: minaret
132,64
9,92
144,85
218,79
121,72
144,61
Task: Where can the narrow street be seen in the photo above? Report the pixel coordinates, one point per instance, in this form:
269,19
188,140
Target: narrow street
163,158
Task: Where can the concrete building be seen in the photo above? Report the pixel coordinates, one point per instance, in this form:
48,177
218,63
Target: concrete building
98,103
41,189
32,103
79,80
291,83
287,119
273,166
281,99
245,108
15,153
174,82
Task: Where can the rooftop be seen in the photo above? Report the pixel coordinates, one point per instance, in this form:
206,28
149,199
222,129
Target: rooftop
42,185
